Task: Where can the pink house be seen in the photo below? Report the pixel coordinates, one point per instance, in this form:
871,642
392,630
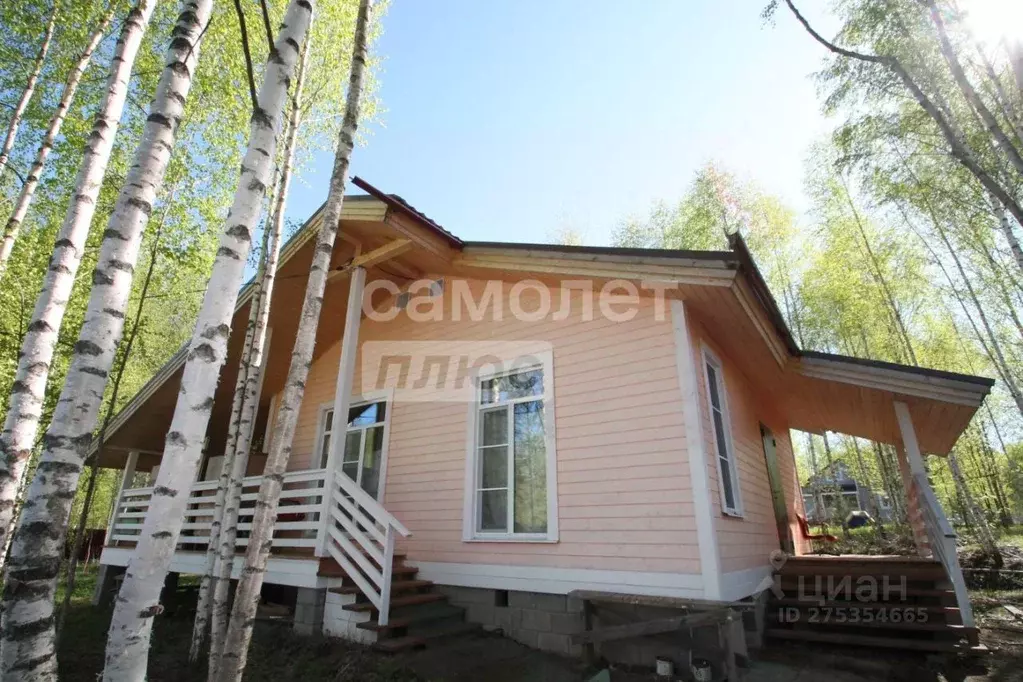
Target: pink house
529,424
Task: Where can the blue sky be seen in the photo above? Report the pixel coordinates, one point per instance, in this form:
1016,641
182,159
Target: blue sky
509,119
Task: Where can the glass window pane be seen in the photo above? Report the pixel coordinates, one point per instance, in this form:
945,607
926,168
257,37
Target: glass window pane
494,467
325,450
712,380
353,441
495,427
371,460
512,386
719,431
365,415
726,479
530,503
328,421
494,510
351,469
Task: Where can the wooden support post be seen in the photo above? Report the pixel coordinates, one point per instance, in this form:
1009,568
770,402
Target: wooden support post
911,465
126,477
342,400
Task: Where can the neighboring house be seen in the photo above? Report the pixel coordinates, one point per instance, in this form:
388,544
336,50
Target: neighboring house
508,451
837,493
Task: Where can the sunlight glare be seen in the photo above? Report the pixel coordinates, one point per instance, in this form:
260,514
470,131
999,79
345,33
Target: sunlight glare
993,21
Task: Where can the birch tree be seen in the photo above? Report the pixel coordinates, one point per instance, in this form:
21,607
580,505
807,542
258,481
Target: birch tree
248,386
28,636
138,600
25,404
28,189
30,87
257,553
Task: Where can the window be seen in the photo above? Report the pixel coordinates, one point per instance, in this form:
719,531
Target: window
728,479
513,491
364,449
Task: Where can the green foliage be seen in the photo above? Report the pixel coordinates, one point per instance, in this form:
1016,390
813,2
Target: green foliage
200,180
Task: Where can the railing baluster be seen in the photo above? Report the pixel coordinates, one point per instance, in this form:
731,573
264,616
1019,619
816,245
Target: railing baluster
385,588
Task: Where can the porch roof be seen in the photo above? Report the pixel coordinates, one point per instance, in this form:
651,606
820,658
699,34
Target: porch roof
812,391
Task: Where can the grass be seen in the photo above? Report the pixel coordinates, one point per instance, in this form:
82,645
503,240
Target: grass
276,653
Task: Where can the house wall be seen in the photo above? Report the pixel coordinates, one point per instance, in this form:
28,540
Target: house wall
745,543
624,497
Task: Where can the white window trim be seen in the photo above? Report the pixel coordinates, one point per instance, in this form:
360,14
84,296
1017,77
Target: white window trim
385,396
469,525
709,357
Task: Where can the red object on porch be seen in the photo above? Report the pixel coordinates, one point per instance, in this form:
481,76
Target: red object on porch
804,528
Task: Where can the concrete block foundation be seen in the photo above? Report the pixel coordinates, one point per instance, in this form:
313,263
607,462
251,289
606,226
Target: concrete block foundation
547,621
310,604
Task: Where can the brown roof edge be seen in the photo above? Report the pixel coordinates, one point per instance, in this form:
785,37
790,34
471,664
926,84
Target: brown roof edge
402,206
881,364
680,254
762,291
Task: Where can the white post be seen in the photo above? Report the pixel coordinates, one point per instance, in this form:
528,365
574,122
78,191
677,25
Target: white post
126,478
909,441
342,400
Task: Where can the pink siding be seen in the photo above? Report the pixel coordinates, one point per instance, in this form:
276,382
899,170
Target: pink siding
624,496
748,541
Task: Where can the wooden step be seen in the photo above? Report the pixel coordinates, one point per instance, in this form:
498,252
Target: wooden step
331,569
420,640
427,614
908,567
396,586
863,640
410,600
804,603
790,585
884,624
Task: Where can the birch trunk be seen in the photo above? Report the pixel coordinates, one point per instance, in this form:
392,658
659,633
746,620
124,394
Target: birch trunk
984,535
30,87
115,390
28,189
138,600
990,123
35,557
250,402
206,584
239,634
37,347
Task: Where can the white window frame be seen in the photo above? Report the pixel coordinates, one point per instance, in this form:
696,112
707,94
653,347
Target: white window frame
708,357
384,396
545,361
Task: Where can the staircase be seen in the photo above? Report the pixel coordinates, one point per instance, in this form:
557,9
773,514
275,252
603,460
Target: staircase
892,602
418,612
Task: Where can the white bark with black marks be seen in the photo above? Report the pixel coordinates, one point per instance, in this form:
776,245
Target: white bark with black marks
206,584
35,557
24,408
239,634
28,189
30,88
138,600
250,402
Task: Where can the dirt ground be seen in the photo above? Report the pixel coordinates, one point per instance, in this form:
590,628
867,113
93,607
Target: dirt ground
278,655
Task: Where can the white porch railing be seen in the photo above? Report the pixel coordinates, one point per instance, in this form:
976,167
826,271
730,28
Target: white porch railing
943,545
298,515
360,538
352,527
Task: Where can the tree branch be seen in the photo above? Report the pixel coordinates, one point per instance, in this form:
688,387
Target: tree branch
248,54
266,24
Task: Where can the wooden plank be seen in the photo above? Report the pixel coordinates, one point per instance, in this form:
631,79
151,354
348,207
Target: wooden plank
648,627
651,627
391,249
